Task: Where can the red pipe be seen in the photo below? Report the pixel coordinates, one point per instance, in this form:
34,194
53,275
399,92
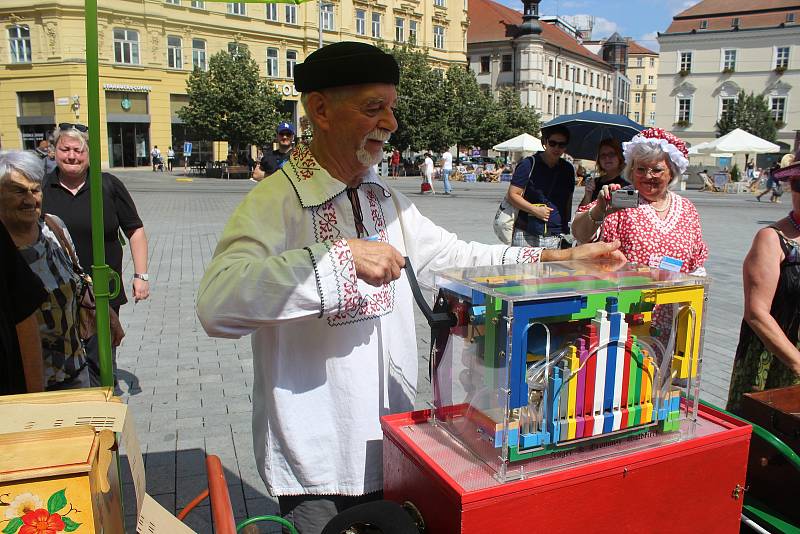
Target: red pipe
221,509
191,506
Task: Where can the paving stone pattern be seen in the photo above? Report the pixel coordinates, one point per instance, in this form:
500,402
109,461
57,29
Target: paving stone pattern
191,394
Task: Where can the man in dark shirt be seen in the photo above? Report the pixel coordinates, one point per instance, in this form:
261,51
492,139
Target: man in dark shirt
273,159
544,196
21,294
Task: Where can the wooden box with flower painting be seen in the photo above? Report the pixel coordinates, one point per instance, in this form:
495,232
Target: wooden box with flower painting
59,480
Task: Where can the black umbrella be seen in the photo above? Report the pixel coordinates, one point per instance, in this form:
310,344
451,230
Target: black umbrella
588,128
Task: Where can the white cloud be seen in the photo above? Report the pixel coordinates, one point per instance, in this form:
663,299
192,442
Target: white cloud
648,40
603,28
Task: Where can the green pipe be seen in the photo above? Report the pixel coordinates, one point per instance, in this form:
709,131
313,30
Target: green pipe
101,273
273,518
764,434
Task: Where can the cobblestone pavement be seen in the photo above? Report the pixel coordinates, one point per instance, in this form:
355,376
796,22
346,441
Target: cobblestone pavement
191,395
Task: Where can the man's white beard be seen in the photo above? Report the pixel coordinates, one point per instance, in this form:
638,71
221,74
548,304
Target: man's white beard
367,158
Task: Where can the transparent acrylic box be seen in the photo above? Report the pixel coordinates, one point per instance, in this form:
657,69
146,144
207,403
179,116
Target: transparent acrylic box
555,364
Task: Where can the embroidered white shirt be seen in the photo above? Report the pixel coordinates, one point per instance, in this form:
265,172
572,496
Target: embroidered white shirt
332,354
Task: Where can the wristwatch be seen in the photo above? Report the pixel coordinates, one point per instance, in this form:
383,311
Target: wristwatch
142,276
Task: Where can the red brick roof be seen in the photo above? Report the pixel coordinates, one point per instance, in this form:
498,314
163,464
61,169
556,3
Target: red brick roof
491,21
719,15
636,48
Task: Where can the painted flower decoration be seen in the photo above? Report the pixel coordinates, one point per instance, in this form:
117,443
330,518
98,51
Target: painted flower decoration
22,504
41,522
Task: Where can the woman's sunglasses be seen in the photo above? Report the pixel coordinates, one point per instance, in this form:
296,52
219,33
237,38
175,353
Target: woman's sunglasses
70,126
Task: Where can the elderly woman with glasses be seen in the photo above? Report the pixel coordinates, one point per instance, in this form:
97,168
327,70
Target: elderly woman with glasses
43,244
66,194
768,354
662,229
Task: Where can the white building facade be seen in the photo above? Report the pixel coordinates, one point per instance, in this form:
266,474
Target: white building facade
553,72
706,59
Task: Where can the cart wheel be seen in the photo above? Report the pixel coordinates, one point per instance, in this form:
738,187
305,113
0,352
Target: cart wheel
378,517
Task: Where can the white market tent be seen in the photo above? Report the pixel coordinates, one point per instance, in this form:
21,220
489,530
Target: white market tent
738,142
521,143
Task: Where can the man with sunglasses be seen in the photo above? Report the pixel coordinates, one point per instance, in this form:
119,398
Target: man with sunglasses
274,159
541,189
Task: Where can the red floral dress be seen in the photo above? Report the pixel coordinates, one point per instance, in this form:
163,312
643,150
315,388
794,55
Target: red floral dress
646,239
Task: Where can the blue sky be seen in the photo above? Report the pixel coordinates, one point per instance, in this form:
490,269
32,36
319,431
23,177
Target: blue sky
639,19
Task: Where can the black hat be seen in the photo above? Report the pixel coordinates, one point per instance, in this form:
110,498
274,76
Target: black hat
345,63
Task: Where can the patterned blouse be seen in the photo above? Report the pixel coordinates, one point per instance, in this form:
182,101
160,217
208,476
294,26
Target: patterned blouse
646,239
62,349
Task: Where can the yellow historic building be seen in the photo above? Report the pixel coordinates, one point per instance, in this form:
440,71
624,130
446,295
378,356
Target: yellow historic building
643,72
147,49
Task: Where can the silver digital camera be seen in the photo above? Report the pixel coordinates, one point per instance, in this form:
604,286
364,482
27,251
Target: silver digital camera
624,198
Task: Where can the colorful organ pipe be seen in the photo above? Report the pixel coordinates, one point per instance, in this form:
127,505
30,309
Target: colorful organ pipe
556,357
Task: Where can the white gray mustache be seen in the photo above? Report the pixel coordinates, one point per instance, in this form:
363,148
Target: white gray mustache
379,135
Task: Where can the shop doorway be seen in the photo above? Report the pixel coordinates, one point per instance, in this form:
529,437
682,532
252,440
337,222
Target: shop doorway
129,144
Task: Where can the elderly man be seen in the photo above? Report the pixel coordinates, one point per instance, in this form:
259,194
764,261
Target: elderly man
274,159
311,265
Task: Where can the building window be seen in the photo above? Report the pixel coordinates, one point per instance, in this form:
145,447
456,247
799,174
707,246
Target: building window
735,22
558,69
198,54
584,76
550,68
173,2
684,109
729,60
485,63
638,79
550,103
639,61
438,3
506,64
558,103
376,25
726,106
19,40
236,8
327,17
650,79
272,62
652,62
412,31
235,47
361,22
126,46
636,116
399,29
637,98
566,105
290,13
272,12
174,52
198,4
652,118
703,24
790,17
291,61
652,98
782,57
438,37
591,79
778,107
686,62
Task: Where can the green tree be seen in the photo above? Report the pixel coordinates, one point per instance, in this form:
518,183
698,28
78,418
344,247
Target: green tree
231,102
422,105
469,107
508,118
751,113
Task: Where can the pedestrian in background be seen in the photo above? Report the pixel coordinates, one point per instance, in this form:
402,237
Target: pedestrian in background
274,159
427,174
155,157
170,159
395,163
447,170
66,194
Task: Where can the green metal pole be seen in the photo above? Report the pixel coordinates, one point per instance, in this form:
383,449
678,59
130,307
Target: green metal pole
101,272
